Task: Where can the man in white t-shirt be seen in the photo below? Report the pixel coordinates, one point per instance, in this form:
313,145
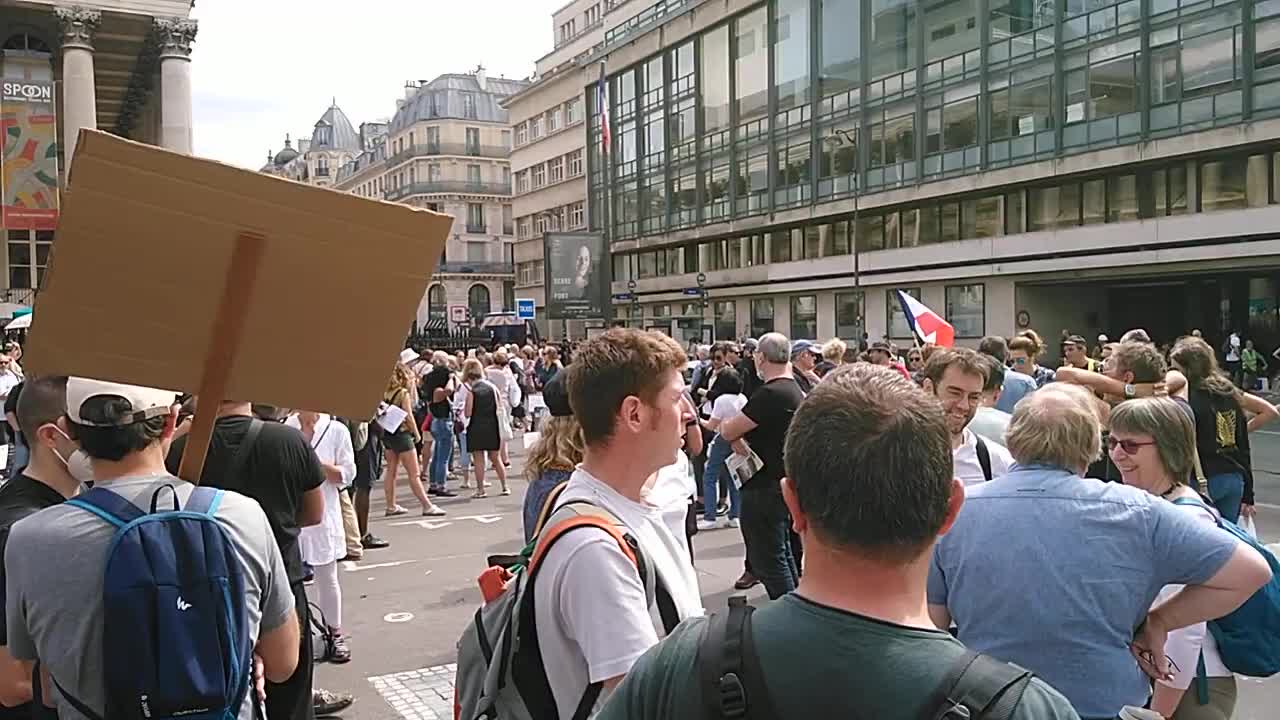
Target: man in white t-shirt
594,617
956,376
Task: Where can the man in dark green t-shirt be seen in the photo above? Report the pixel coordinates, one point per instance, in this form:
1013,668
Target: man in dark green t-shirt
870,488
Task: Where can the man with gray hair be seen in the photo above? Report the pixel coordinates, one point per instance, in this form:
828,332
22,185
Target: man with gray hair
1053,571
763,423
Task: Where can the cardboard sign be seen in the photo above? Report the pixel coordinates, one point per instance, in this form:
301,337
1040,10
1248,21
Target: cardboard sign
174,272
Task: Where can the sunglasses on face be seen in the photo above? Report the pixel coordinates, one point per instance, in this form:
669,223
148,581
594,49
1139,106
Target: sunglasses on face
1130,447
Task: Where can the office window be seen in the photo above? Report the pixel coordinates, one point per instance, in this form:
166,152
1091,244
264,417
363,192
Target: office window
1093,201
725,319
761,316
898,326
553,120
573,111
1171,192
804,317
522,181
555,170
535,128
791,53
966,310
539,175
893,37
522,134
1054,207
751,66
524,229
841,48
780,246
1233,182
567,30
1122,198
837,240
574,162
577,215
849,314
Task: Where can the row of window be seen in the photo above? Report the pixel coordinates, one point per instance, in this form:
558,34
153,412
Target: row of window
724,125
1208,184
569,29
550,122
529,273
566,217
28,255
964,307
550,172
471,144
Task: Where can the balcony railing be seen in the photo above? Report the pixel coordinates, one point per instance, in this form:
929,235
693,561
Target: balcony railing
476,228
645,17
487,267
455,149
448,186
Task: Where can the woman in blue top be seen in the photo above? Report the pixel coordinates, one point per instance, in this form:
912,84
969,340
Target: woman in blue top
557,452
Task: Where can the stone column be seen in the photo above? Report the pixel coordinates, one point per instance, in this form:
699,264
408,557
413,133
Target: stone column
79,94
175,36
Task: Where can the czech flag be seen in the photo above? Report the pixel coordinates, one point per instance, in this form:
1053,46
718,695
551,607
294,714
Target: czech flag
925,323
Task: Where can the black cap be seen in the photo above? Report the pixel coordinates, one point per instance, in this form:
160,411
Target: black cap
556,397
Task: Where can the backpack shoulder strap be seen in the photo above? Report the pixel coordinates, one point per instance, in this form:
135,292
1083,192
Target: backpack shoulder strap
107,505
979,687
245,449
984,456
733,684
570,516
548,506
204,500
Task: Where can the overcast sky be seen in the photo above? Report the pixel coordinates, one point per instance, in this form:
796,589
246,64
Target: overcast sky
261,68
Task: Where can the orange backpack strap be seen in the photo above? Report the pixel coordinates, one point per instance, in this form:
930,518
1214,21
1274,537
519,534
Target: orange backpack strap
576,515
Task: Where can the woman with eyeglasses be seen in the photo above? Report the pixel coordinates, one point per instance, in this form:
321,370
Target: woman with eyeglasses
1024,350
1152,443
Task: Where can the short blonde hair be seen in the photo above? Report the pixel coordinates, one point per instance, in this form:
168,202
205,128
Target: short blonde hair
1058,426
1168,425
834,350
472,370
499,358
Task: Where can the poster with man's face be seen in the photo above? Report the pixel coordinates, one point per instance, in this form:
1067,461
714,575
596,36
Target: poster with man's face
577,276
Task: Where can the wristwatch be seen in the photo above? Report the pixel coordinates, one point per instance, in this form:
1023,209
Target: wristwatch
1130,391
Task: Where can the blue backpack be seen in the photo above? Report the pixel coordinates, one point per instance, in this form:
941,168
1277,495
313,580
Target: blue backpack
1249,636
175,636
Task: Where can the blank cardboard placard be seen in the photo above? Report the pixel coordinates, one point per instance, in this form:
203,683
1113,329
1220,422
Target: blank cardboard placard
141,259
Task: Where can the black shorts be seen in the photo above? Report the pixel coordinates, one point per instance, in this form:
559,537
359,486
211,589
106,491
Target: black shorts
398,442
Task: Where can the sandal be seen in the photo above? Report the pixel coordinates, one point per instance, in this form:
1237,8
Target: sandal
506,491
397,510
434,511
480,495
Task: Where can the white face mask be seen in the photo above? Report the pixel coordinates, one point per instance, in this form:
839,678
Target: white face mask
78,465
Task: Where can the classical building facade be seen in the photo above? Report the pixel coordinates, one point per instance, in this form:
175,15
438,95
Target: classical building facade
448,148
548,160
1091,166
118,66
332,144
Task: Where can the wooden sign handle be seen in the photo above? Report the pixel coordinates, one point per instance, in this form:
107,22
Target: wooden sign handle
224,345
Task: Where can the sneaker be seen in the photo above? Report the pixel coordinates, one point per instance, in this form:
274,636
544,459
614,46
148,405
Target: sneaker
444,493
341,653
722,508
734,523
705,524
327,702
432,491
746,582
352,558
373,542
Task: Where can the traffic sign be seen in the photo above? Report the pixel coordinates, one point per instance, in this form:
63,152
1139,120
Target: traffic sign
696,292
524,309
458,313
624,296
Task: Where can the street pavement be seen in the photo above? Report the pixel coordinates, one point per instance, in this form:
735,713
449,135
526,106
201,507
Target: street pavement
405,606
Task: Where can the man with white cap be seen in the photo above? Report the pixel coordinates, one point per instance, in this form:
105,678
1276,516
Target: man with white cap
56,559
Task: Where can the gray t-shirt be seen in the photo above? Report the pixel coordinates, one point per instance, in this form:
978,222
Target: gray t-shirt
55,562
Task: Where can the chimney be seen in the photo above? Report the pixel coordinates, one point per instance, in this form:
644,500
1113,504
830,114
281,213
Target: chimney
409,88
481,78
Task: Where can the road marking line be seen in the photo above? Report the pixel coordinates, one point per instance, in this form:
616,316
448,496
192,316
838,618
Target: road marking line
1268,506
351,566
427,524
398,617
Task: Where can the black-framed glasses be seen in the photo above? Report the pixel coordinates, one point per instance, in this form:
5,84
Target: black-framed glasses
1130,447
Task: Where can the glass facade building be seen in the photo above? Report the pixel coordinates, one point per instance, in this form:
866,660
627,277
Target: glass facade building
827,110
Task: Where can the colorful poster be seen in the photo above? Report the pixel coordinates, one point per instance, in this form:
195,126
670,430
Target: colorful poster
29,173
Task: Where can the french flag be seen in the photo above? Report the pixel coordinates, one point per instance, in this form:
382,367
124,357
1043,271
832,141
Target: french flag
925,323
602,91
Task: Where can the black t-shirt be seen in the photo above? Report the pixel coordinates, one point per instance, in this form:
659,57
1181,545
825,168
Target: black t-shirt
20,497
437,378
771,408
11,406
280,468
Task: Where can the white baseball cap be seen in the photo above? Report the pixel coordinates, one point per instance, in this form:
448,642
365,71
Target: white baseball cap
143,403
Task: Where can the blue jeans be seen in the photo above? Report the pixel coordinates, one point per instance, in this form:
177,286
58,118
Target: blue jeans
442,432
464,457
716,455
1227,490
766,526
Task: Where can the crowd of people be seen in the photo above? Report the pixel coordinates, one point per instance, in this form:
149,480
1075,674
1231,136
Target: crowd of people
1063,520
967,527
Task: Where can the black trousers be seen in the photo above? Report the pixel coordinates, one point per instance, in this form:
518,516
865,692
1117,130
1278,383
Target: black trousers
766,530
291,699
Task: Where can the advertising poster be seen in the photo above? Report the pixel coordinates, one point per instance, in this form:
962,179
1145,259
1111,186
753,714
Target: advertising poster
577,273
29,172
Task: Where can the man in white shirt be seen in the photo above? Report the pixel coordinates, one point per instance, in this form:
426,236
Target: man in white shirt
594,617
957,376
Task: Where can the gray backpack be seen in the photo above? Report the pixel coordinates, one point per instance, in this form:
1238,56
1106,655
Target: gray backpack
500,670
